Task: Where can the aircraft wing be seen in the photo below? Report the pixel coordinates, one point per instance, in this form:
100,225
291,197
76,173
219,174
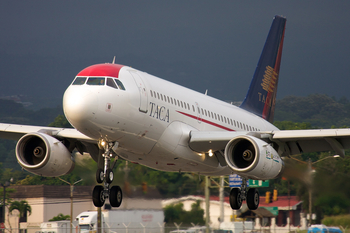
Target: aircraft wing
15,132
290,141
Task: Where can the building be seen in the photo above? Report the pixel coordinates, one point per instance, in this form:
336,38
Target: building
49,201
283,215
287,214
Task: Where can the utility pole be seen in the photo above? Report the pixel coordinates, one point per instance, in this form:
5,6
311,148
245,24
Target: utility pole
310,190
4,201
207,201
99,225
71,201
309,180
221,195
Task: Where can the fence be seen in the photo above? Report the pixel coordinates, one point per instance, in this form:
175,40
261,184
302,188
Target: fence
145,228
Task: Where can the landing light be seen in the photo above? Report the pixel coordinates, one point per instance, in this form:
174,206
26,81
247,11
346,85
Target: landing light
210,152
102,143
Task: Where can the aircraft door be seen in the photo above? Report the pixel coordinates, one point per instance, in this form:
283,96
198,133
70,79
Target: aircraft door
143,92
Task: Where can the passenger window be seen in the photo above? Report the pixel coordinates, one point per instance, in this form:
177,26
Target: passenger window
111,83
119,84
151,93
79,81
96,81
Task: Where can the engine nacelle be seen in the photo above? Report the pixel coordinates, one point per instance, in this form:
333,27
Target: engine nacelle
43,155
253,158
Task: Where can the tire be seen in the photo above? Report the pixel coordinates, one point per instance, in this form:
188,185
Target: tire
97,196
115,196
99,175
109,176
235,198
253,199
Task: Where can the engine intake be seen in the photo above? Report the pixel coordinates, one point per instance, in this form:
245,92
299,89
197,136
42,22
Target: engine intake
43,155
253,158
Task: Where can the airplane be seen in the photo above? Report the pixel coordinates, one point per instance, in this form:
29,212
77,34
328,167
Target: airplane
119,112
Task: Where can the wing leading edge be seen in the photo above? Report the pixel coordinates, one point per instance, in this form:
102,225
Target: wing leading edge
15,132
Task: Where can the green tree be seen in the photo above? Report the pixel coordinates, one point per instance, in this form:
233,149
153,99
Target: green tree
176,213
60,217
60,121
23,208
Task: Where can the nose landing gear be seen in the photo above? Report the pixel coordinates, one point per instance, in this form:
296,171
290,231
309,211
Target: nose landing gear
237,195
105,176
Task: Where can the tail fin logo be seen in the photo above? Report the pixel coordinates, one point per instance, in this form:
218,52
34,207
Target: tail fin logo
269,80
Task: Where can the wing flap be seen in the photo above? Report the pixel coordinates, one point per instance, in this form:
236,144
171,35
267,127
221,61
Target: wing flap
286,135
300,141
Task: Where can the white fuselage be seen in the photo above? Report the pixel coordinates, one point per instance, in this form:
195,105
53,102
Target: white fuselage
152,118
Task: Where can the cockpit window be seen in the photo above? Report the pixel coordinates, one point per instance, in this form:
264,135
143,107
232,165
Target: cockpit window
110,83
120,84
79,81
96,81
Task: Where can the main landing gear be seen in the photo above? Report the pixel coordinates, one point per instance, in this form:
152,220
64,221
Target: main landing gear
105,176
237,195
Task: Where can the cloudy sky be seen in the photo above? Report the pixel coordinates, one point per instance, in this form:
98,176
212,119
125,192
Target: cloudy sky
212,45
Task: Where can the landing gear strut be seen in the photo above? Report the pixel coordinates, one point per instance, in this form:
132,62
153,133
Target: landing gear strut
237,195
105,176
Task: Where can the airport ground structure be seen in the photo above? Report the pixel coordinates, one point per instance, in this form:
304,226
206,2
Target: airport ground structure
281,216
49,201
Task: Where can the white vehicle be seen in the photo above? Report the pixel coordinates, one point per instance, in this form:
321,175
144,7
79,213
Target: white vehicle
237,227
120,112
56,227
122,221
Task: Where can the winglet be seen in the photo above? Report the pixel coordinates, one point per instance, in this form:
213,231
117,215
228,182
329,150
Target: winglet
261,96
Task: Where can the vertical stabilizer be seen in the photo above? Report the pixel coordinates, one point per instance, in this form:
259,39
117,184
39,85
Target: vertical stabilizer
261,96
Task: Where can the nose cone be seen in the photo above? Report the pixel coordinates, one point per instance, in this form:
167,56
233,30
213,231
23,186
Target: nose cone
79,106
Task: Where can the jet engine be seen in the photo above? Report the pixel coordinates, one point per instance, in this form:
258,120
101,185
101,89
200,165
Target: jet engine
43,155
253,158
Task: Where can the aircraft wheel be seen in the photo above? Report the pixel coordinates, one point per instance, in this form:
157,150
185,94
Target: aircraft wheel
98,197
253,199
109,175
235,198
99,175
115,196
